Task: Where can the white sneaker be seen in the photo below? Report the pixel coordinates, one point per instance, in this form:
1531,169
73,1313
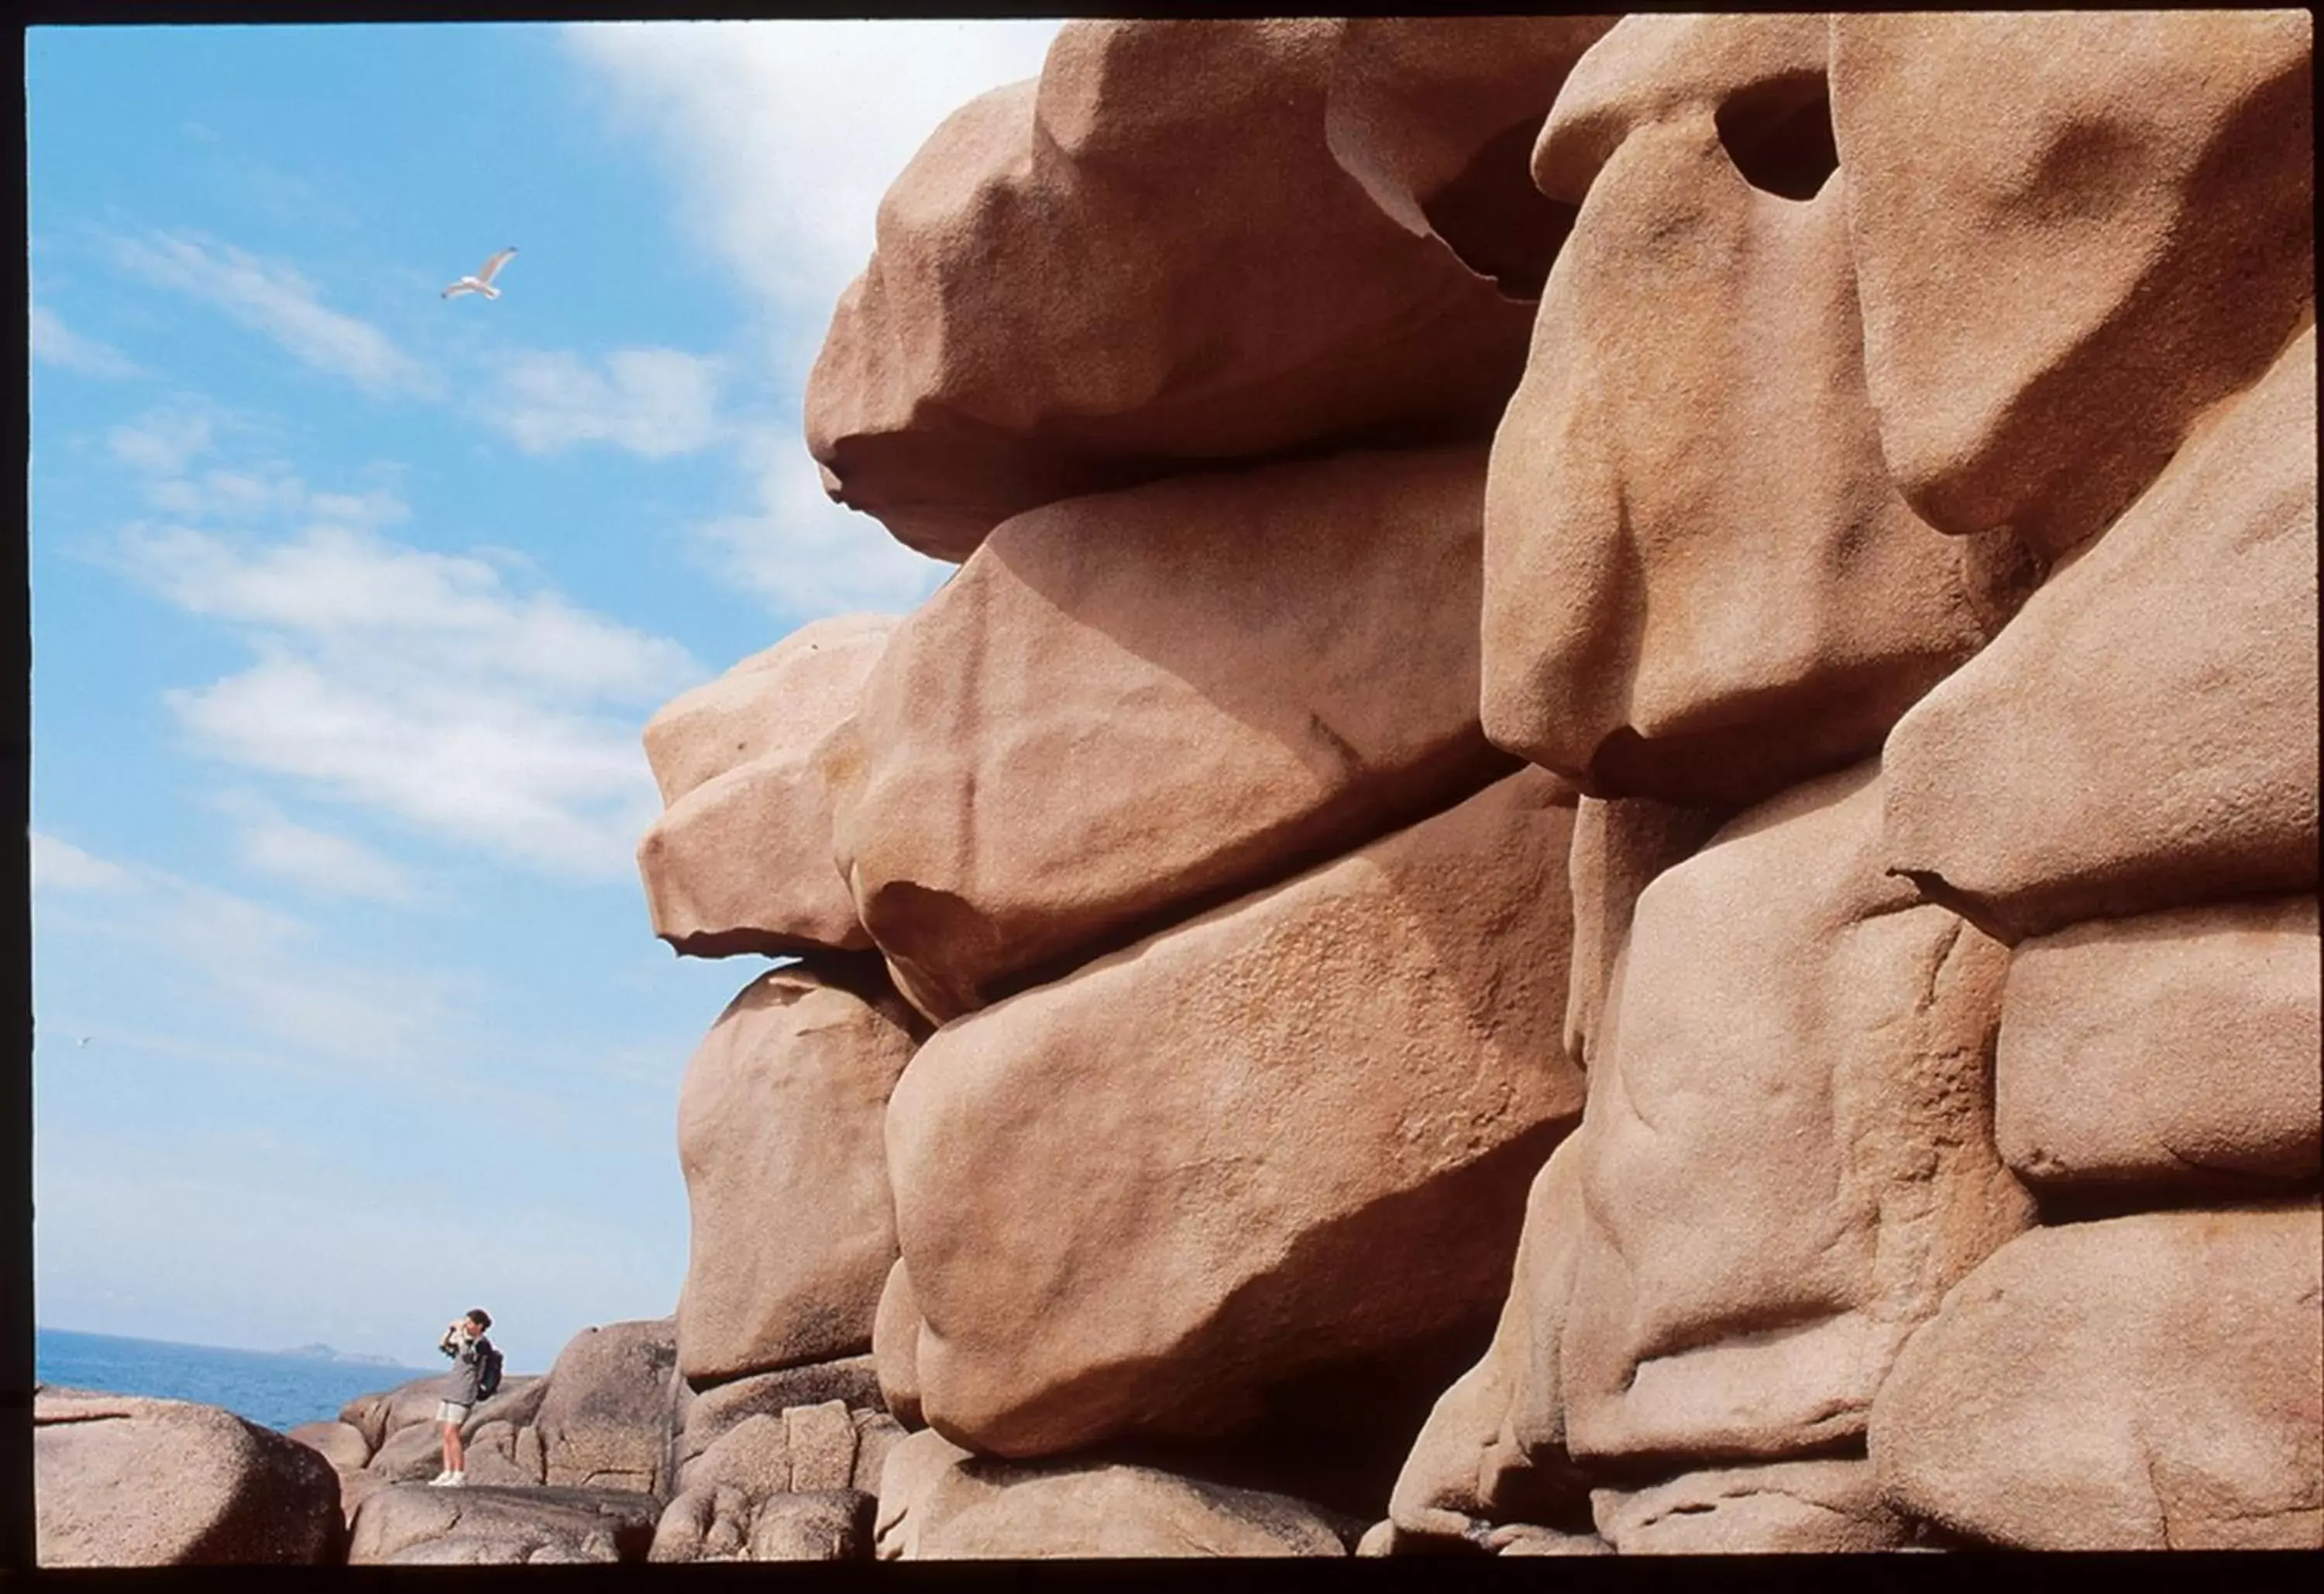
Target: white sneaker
456,1480
439,1481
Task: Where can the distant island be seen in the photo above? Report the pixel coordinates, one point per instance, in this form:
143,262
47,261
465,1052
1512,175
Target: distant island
351,1357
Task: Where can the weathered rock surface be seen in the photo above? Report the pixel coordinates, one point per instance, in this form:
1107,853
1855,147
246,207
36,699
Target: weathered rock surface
779,1138
938,1502
824,1525
821,1441
740,861
123,1480
1619,847
2175,1051
1789,1153
896,1345
339,1444
1437,118
2142,736
2073,233
1319,1108
753,1458
788,697
2146,1382
1761,77
1111,717
413,1524
605,1423
1043,316
703,1522
1699,584
1493,1451
876,1433
742,864
1824,1507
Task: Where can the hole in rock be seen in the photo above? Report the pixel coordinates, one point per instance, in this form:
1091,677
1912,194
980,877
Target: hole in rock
1778,133
1494,218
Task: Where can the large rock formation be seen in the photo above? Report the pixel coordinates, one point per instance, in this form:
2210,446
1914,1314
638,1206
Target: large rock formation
1896,520
1699,584
2038,787
2073,234
1830,1062
1319,1106
779,1134
1150,259
741,860
1110,719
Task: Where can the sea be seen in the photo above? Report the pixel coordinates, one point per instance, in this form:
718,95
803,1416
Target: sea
270,1388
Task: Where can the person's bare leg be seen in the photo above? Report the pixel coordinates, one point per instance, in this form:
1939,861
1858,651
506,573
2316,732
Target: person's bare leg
453,1460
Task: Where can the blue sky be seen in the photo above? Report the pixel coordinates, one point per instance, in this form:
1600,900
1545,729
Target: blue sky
348,605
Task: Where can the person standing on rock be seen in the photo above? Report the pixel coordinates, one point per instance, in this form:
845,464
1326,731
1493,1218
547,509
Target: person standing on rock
464,1341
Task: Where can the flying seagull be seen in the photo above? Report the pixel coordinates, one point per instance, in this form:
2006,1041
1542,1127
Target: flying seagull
482,283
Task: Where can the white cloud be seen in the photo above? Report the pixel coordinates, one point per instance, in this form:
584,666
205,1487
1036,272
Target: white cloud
783,136
275,299
332,865
55,344
162,442
804,555
655,402
59,866
258,964
420,684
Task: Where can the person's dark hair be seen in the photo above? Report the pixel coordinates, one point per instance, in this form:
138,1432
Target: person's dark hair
480,1317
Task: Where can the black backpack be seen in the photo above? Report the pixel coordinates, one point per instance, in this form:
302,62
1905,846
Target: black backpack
488,1369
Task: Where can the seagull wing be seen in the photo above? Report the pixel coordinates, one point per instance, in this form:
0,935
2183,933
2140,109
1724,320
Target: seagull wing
465,285
491,268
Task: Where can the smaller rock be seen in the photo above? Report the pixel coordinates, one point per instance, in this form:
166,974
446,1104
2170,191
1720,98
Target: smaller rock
714,1411
605,1423
1526,1538
2147,1382
409,1525
826,1525
784,697
876,1435
938,1502
125,1480
704,1523
2171,1051
822,1444
341,1443
753,1457
1799,1508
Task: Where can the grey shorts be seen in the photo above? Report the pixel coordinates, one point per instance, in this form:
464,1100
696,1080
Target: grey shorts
450,1412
